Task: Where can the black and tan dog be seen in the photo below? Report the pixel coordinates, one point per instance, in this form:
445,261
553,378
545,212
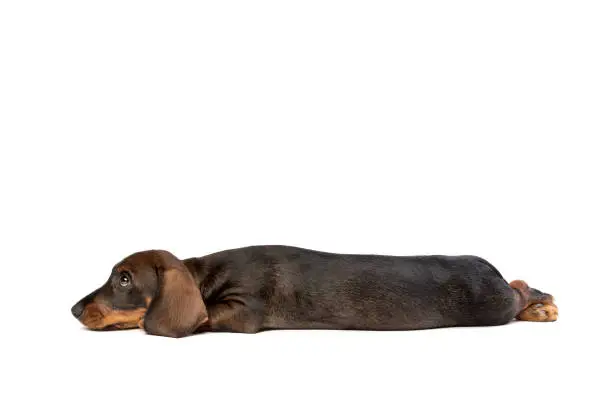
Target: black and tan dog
257,288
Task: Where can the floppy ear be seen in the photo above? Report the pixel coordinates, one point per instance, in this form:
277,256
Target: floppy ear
178,309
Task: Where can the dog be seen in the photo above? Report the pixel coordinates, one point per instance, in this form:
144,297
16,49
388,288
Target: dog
257,288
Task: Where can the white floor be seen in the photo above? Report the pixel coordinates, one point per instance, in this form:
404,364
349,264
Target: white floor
520,364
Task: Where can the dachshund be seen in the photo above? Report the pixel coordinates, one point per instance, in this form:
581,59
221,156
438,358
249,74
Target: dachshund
257,288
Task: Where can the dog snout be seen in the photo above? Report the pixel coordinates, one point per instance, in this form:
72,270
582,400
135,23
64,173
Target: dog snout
77,309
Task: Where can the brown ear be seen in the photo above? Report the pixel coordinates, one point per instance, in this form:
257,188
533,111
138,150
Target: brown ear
178,309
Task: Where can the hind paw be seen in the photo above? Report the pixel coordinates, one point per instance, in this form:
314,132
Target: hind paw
540,313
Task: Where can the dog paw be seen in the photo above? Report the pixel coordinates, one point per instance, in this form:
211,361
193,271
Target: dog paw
540,313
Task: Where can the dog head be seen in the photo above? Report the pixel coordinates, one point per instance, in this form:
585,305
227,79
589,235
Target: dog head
153,290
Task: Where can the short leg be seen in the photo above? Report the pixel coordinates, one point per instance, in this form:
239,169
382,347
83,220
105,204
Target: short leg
534,305
233,315
539,312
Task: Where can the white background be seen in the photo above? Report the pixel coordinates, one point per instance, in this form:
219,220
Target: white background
457,127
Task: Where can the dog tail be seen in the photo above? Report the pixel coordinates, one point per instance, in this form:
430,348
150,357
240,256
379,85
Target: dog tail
532,304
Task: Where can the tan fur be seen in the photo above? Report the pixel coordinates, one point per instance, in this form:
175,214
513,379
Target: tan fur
534,306
141,321
99,316
540,312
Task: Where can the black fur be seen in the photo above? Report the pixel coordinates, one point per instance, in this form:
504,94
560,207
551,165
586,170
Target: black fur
282,287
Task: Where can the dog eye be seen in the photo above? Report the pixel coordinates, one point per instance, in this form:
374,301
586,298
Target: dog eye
124,279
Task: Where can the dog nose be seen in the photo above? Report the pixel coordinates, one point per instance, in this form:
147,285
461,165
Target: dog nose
77,310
